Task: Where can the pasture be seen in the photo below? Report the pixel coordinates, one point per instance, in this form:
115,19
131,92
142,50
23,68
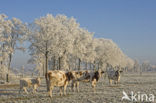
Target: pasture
146,83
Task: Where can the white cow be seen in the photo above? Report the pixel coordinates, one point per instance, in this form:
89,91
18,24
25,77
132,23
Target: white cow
29,82
114,75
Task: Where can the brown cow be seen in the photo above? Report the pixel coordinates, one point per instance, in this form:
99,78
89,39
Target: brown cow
58,78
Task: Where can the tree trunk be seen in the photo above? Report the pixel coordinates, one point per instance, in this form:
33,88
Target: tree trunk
46,66
54,63
86,66
75,64
90,66
46,62
94,65
98,66
59,63
79,66
9,66
7,77
140,71
69,67
43,69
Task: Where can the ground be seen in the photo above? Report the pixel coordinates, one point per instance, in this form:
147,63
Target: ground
104,92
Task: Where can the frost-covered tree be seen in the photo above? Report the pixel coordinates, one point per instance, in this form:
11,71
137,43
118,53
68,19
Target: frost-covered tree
136,66
39,61
11,34
5,29
43,32
66,40
53,37
17,36
107,52
90,54
145,66
82,45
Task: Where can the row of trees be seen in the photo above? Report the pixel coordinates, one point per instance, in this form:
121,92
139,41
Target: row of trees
145,66
58,42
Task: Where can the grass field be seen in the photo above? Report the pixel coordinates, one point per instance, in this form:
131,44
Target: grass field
104,92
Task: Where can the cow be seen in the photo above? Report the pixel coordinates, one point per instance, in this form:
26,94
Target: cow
75,82
58,78
29,82
91,76
114,75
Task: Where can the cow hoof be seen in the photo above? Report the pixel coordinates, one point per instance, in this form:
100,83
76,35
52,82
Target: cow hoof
50,96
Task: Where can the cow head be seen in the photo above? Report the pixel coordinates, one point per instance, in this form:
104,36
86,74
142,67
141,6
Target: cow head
38,80
96,75
101,72
69,76
117,73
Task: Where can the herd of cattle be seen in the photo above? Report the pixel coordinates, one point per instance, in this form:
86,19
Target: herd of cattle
62,79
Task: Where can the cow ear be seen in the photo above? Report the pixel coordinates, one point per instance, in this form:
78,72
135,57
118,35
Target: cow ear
68,76
97,75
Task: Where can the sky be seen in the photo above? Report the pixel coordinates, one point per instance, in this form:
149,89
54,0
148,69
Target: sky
129,23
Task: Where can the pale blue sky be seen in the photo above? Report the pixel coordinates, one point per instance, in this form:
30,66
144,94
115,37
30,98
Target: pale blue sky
129,23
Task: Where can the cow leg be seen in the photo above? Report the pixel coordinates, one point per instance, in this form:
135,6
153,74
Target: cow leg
20,90
65,86
118,79
25,89
61,91
93,85
110,81
77,86
73,86
34,88
115,82
50,90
